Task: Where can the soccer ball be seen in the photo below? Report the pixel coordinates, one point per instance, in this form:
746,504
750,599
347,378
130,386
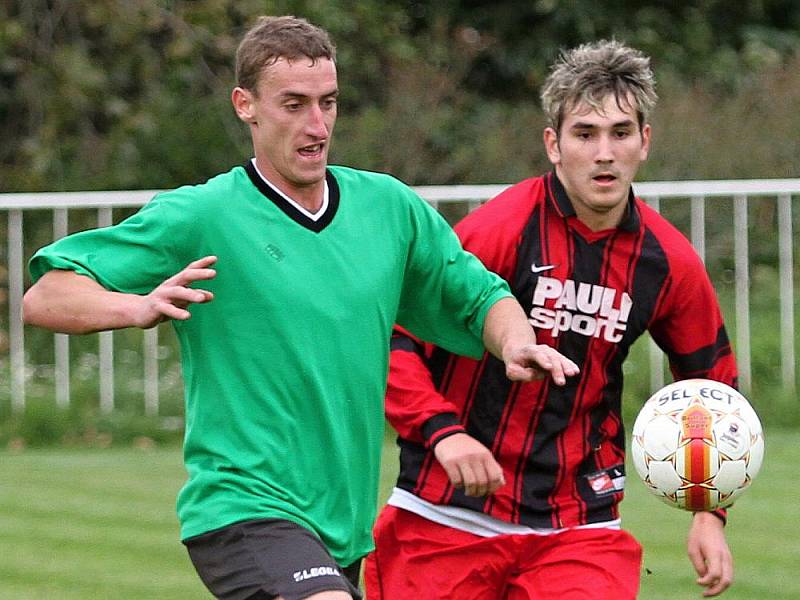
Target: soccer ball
697,444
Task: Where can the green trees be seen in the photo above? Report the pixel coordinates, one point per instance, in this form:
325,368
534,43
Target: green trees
99,94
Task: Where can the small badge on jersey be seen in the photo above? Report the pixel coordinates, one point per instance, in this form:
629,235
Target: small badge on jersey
606,481
274,252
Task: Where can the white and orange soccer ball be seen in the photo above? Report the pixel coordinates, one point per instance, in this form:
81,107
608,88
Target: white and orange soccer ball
697,444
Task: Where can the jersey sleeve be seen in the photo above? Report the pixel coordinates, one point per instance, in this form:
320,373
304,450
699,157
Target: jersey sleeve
134,256
690,328
414,407
446,290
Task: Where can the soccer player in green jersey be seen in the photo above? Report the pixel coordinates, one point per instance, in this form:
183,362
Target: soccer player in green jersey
283,278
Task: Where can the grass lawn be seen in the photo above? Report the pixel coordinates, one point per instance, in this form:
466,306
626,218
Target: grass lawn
93,524
97,524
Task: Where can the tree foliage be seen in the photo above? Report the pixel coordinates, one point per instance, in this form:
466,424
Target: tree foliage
99,94
704,40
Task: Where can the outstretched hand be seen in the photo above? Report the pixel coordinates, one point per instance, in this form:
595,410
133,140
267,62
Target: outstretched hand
508,335
171,299
536,361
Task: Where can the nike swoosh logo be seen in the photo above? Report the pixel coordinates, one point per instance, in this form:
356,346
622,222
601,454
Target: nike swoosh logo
541,268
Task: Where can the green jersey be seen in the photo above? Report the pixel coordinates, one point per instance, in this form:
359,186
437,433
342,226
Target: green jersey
285,370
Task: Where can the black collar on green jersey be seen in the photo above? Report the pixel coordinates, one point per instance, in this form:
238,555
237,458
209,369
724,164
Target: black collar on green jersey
562,203
289,209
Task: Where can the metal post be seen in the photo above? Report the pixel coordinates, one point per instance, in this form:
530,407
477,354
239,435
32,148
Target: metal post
698,218
786,267
106,342
151,372
16,332
655,353
60,340
742,269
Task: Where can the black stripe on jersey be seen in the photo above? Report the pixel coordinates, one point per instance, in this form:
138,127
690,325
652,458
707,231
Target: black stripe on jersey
441,367
698,363
412,457
289,209
651,278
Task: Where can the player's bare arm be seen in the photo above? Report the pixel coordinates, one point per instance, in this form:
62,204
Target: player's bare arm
508,335
67,302
709,553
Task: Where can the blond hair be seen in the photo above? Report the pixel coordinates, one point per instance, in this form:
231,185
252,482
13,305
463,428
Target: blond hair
591,72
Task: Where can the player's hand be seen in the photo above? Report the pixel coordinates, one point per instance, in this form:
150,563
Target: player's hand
171,299
536,361
710,554
469,464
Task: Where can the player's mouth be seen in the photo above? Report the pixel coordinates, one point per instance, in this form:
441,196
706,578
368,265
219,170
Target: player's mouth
604,179
312,150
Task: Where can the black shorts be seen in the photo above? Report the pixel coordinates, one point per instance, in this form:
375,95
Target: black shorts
265,558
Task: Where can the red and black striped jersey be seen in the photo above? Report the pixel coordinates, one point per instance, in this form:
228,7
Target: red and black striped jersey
590,294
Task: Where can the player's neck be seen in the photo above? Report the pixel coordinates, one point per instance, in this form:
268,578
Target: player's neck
597,220
311,197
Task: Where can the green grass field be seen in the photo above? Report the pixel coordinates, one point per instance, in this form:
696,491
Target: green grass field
97,524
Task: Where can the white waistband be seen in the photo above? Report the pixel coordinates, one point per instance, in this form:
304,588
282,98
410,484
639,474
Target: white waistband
475,522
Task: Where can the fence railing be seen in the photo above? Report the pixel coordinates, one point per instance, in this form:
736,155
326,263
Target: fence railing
699,194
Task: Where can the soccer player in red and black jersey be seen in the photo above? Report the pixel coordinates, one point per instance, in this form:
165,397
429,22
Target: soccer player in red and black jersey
511,490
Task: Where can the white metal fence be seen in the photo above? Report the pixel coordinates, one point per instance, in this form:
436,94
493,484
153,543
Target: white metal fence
699,194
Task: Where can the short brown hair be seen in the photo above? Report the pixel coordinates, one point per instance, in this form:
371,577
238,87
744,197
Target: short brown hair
272,38
588,73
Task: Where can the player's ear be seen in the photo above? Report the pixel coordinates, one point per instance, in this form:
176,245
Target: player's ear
244,104
551,145
646,132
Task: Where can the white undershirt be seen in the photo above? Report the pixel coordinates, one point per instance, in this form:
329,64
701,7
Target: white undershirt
474,522
313,216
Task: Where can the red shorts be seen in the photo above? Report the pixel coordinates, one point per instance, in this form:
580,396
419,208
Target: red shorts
421,560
